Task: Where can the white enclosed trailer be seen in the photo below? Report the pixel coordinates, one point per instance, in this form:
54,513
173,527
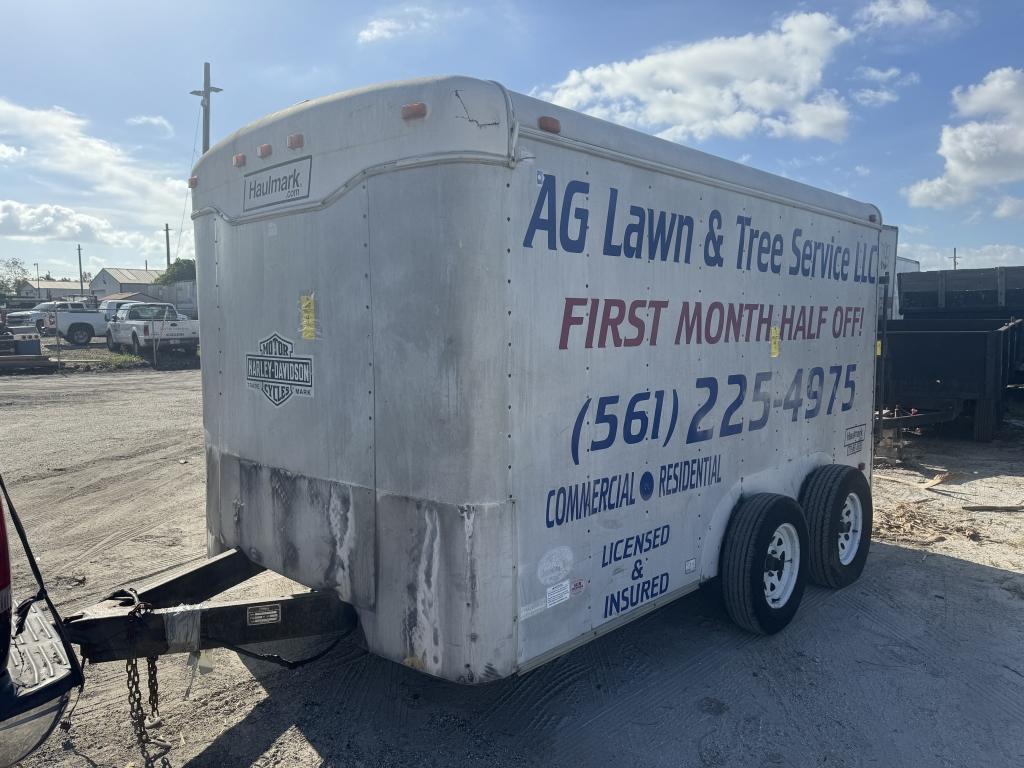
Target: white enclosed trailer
507,376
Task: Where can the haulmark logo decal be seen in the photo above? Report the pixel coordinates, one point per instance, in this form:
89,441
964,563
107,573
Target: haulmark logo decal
277,372
281,183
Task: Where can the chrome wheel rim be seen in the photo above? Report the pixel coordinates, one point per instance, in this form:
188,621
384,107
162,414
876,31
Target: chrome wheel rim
851,522
781,565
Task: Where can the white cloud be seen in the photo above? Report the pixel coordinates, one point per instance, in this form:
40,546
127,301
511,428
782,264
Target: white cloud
878,75
861,170
404,21
904,13
875,97
57,222
118,192
8,153
932,257
1010,208
157,121
885,83
768,82
985,152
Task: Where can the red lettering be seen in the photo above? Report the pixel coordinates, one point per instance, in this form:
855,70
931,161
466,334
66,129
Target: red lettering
569,319
822,319
637,322
712,333
611,323
689,323
657,306
800,327
592,317
786,326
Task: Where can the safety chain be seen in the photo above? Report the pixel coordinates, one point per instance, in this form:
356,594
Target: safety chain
154,692
138,717
137,714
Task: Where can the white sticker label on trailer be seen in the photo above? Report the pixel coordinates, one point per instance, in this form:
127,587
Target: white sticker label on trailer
558,593
256,615
281,183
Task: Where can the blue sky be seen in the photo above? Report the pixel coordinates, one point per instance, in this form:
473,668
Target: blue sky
914,105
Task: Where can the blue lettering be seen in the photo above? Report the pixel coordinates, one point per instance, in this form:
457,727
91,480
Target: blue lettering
569,243
610,248
543,218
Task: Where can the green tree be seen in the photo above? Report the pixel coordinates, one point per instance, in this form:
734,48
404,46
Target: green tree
12,275
181,269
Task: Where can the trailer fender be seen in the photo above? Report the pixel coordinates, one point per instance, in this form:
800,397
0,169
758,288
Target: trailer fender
767,481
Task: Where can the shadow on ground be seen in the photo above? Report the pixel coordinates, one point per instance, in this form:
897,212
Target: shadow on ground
920,663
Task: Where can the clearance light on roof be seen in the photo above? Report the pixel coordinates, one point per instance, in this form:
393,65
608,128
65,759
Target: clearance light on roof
238,160
296,141
264,150
549,124
193,182
414,111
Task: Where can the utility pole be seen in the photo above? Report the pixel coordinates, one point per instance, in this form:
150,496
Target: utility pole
36,264
167,239
81,282
205,96
954,258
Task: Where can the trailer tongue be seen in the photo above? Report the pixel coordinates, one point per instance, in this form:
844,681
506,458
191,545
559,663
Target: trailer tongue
169,616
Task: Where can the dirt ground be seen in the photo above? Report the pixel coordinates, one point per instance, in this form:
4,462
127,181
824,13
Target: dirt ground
920,663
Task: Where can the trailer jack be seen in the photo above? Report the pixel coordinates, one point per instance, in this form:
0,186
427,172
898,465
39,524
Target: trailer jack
171,616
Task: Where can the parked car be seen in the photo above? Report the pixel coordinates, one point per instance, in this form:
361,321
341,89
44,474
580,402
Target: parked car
110,306
37,315
77,326
144,328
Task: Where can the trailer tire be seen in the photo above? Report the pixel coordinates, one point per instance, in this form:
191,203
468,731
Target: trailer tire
763,530
984,421
836,500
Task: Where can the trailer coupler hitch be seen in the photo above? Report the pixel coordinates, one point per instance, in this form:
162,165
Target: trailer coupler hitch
172,616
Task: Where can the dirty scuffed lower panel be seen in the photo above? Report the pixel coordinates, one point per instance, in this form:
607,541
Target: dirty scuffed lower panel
318,532
446,592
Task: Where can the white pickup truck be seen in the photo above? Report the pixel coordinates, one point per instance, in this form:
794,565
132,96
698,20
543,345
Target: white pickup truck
147,328
78,326
37,315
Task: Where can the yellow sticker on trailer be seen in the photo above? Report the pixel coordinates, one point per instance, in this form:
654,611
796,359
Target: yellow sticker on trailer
307,313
